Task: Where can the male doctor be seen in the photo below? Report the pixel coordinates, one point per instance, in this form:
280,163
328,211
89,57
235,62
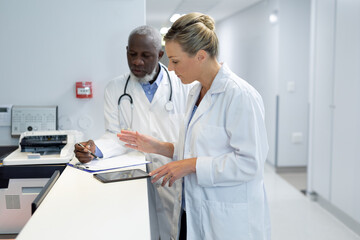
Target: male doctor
151,100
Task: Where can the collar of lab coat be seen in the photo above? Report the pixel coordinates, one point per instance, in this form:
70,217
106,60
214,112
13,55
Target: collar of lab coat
217,86
164,74
219,83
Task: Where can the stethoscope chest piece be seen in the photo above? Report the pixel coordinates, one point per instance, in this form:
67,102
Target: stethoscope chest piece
169,106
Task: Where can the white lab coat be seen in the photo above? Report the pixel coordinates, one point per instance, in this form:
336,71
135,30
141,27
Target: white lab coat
154,120
225,198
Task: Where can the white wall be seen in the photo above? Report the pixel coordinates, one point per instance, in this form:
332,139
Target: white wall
321,86
46,46
346,144
294,50
269,56
335,104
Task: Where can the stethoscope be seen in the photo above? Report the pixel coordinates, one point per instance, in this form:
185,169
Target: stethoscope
169,106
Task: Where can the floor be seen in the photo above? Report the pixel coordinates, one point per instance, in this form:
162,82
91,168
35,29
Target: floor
294,216
297,179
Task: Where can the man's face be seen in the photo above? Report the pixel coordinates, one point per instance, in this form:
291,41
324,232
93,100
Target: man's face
142,56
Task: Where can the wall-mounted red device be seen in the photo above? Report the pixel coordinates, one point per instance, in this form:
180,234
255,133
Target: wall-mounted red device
84,90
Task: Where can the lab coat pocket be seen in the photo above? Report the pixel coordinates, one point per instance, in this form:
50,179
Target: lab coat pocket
221,220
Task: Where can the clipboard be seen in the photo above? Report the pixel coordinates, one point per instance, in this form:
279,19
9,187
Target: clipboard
105,164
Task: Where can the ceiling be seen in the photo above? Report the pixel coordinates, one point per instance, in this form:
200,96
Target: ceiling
158,12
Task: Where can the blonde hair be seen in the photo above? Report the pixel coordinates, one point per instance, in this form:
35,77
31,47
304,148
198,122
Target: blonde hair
194,32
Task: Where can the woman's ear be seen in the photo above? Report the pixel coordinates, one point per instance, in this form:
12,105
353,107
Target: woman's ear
201,55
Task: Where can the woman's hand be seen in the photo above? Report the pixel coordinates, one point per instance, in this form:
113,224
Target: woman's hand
174,171
146,143
139,141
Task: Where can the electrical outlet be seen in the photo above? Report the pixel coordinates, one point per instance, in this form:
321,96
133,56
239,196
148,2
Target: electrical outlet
297,137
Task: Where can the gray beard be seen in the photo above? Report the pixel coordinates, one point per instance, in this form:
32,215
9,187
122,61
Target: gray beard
147,78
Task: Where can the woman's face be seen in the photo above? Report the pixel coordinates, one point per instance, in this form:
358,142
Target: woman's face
184,66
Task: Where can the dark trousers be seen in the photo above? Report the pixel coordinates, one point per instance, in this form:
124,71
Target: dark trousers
183,226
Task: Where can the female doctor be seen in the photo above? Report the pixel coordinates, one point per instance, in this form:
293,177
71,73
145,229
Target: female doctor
222,143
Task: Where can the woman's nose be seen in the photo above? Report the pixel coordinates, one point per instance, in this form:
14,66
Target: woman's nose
170,67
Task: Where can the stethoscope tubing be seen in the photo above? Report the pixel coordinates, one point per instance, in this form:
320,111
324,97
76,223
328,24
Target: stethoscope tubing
129,96
131,99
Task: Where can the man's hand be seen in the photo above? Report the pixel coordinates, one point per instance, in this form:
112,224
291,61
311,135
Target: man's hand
82,154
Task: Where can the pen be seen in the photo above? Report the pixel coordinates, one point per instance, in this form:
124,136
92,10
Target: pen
80,166
87,150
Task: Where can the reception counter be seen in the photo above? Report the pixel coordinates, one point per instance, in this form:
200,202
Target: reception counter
80,207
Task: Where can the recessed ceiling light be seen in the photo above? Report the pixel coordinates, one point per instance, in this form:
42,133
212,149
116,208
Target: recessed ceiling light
273,18
174,17
164,30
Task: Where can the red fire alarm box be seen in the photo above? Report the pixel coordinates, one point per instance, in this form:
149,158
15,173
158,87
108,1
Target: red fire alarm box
84,90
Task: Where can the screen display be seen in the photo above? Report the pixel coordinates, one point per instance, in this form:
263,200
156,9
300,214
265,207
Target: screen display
121,175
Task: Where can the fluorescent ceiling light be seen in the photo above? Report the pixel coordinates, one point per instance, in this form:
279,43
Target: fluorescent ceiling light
164,30
273,18
174,17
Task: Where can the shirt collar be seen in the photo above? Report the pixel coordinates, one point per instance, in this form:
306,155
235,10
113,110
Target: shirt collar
158,79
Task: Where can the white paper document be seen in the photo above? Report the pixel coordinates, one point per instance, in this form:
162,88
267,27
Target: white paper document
97,165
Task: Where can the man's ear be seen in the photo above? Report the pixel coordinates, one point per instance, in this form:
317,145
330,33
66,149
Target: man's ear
161,54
